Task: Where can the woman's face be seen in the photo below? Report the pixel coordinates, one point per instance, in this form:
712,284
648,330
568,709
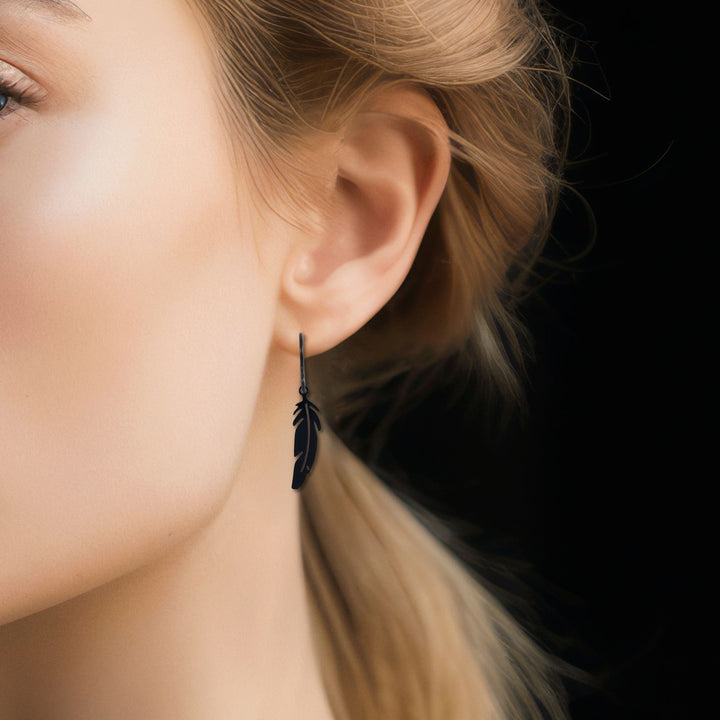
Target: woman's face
135,312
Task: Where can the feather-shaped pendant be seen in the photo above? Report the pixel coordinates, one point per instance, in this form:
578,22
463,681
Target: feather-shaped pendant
307,425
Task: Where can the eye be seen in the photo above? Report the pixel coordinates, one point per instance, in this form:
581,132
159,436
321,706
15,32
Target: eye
8,99
16,90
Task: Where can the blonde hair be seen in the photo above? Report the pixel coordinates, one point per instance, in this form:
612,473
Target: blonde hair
403,627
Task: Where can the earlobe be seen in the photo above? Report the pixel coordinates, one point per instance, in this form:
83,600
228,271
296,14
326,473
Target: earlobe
391,168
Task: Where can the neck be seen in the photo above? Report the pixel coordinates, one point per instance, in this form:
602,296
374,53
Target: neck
219,627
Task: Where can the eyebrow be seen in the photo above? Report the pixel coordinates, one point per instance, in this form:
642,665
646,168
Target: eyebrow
59,10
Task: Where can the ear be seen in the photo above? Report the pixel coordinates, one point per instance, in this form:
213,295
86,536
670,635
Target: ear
389,171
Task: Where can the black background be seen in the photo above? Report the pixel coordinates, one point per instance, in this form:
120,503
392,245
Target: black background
598,499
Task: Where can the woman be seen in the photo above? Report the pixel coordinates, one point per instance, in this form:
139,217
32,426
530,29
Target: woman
188,186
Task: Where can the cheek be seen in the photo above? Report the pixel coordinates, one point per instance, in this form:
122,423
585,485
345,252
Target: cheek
133,331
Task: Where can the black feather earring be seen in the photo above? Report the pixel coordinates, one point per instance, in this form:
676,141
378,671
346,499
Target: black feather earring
306,432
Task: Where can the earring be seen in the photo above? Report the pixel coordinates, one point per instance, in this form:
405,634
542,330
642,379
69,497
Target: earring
306,420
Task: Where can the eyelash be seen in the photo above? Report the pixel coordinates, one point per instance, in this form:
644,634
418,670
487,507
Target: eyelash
16,96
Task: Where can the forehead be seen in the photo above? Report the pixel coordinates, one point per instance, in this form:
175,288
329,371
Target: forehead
81,19
90,42
73,12
62,11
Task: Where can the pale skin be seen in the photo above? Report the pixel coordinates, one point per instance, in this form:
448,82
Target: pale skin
150,562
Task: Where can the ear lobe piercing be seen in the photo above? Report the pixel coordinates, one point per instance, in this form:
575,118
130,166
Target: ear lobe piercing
307,424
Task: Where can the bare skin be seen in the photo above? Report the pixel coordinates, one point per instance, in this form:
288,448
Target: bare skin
150,561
